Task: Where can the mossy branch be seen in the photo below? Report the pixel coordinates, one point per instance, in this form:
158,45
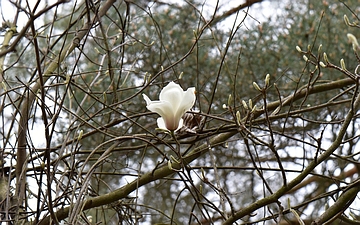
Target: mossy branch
149,177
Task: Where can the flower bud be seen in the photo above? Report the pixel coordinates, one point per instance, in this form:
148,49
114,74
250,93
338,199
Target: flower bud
267,80
346,19
298,48
149,77
250,104
238,117
89,218
203,173
353,41
305,58
353,216
326,58
145,78
342,64
253,109
298,218
172,158
3,85
42,165
195,34
230,100
80,135
244,104
276,111
319,49
169,165
256,86
97,51
105,96
322,64
67,79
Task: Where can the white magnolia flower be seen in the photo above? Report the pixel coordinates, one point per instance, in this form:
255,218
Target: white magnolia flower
173,103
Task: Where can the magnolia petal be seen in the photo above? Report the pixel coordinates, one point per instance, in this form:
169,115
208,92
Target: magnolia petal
186,103
171,93
147,99
164,109
161,124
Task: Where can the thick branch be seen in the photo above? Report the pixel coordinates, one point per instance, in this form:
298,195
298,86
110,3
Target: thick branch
151,176
234,10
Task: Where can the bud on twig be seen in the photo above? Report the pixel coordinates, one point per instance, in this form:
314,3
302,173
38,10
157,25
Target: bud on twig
67,79
305,58
267,80
301,222
346,19
3,85
322,64
97,51
354,41
276,111
353,216
238,117
230,100
105,96
203,173
244,104
250,104
145,78
253,109
195,34
256,86
80,135
173,159
320,46
342,64
326,58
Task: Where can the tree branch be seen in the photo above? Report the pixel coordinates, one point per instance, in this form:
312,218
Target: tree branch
30,94
232,11
283,190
